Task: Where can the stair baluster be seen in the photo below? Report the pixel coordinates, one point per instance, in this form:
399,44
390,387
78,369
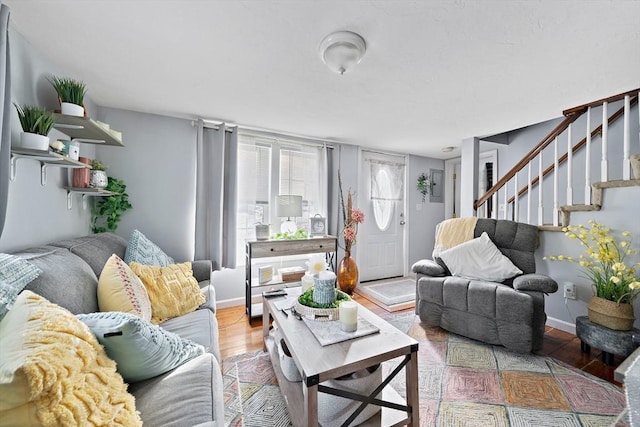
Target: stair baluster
587,165
604,163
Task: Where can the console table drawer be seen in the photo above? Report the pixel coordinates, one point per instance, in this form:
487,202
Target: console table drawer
292,247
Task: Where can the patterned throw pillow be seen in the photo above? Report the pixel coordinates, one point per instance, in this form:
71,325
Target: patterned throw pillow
15,274
141,350
119,289
173,290
53,371
143,251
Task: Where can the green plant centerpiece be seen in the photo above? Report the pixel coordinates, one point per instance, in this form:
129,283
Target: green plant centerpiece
108,211
306,299
301,233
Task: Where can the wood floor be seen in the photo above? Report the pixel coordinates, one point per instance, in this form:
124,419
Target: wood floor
237,336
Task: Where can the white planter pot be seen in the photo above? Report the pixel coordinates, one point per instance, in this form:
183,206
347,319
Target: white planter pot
34,141
98,179
71,109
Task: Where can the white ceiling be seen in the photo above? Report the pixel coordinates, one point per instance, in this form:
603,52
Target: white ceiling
435,72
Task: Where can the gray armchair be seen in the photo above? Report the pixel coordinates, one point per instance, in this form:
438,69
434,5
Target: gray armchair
509,313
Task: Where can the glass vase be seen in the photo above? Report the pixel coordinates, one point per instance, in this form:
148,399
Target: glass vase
347,274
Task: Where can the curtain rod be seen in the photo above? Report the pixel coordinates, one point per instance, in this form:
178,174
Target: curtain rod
215,124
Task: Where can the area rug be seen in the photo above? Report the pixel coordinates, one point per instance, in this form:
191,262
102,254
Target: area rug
461,382
392,295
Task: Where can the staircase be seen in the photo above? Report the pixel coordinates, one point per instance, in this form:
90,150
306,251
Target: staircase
599,160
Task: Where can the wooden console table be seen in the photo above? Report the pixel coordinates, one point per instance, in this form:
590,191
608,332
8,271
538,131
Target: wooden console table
273,248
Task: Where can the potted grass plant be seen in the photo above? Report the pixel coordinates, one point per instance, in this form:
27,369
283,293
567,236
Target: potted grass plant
70,94
36,123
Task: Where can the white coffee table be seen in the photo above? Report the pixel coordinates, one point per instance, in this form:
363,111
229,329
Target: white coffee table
318,364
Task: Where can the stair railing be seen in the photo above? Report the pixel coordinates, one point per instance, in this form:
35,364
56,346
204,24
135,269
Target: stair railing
511,200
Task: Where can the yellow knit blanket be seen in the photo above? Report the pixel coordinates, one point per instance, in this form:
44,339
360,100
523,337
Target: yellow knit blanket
452,232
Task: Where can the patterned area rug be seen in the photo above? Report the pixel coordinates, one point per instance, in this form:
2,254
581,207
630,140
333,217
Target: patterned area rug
462,383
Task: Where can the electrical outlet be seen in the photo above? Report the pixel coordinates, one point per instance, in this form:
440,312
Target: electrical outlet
569,290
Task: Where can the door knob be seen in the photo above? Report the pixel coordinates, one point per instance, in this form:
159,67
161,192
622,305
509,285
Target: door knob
402,222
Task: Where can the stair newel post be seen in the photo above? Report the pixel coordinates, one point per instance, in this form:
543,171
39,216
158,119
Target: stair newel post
569,167
516,205
604,163
556,165
587,166
540,182
529,193
626,164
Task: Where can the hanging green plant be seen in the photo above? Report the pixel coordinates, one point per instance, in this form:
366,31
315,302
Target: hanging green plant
108,210
425,185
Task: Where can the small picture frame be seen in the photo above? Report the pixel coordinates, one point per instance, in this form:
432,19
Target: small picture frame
317,226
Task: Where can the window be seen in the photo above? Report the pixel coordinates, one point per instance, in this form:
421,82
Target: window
268,167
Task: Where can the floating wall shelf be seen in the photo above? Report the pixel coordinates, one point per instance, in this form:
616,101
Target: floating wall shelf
86,192
84,129
46,159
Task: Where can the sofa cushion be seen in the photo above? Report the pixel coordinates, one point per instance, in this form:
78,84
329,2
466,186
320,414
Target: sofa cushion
200,326
15,274
95,249
141,350
119,289
173,290
65,280
53,371
143,251
160,400
479,259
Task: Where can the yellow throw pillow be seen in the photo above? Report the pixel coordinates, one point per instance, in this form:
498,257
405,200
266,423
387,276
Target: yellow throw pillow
53,371
173,290
119,289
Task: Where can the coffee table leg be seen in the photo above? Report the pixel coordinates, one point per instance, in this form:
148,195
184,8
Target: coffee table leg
412,387
265,324
310,404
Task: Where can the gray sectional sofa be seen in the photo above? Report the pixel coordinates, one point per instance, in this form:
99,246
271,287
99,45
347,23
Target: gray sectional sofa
189,395
509,313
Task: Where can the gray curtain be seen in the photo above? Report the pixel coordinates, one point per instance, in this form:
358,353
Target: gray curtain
215,228
5,112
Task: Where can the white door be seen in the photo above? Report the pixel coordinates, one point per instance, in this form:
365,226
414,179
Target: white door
381,195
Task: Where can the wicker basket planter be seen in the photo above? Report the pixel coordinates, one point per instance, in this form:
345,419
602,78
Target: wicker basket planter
611,314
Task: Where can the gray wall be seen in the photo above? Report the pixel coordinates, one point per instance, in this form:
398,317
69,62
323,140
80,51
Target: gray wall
37,214
421,217
158,166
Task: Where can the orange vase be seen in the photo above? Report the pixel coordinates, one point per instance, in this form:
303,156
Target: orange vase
347,274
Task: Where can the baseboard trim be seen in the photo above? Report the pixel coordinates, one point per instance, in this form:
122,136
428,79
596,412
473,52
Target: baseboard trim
232,302
562,325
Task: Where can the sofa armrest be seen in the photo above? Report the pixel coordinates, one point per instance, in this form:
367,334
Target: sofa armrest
428,267
202,270
535,282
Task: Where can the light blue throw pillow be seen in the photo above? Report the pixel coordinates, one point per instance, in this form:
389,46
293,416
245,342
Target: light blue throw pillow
141,350
15,274
143,251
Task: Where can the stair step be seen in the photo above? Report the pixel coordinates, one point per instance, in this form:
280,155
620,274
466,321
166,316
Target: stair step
580,208
617,183
549,227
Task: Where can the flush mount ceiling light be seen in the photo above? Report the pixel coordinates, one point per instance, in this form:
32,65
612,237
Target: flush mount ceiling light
342,50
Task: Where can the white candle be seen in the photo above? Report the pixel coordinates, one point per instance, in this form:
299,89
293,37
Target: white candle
306,282
348,316
326,275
